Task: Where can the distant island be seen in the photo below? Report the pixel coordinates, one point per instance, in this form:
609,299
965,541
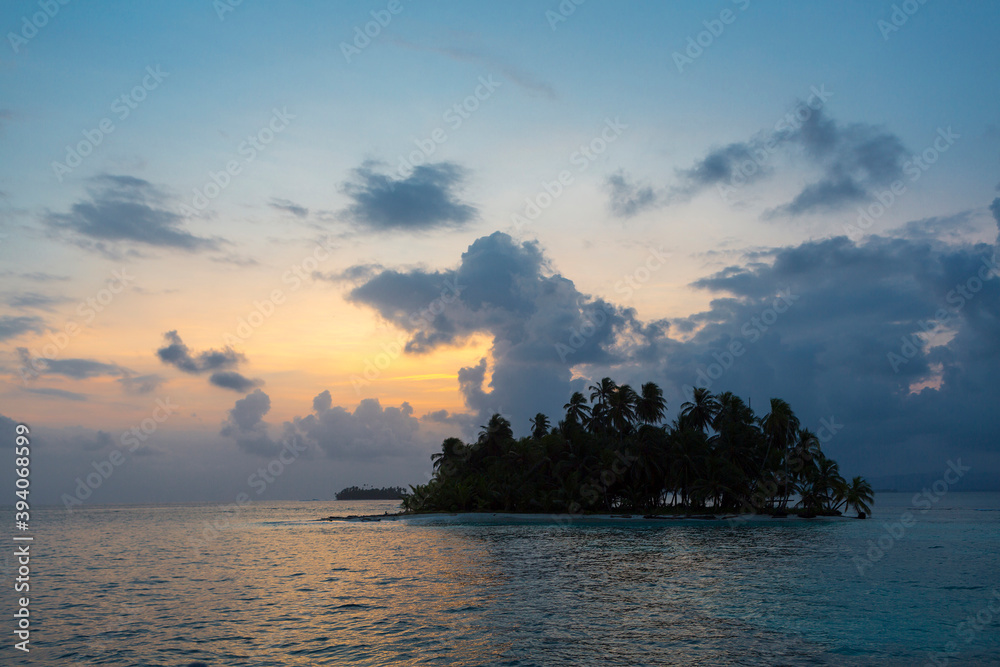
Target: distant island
369,493
614,454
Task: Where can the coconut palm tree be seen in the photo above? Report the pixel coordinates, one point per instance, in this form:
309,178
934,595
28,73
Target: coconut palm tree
780,426
539,426
601,392
701,409
621,409
651,406
451,452
577,409
859,495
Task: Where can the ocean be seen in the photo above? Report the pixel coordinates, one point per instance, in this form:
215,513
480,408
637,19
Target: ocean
269,585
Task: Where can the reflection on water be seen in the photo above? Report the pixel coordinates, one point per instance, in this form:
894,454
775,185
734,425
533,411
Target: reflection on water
134,585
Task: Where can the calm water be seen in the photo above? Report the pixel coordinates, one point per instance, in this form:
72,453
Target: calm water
144,585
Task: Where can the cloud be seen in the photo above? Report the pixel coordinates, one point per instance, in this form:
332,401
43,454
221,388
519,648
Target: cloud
816,323
34,300
100,440
245,424
507,290
368,432
995,210
519,77
233,380
127,209
426,199
289,207
57,393
12,326
850,162
141,384
627,198
177,354
77,369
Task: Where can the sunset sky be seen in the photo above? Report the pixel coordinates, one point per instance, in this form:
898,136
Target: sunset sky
243,222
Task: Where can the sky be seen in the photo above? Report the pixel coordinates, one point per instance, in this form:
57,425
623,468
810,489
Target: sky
283,248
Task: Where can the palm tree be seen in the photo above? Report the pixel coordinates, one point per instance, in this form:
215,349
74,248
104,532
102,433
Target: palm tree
621,409
577,409
780,426
451,451
602,391
496,432
651,406
859,495
701,409
540,426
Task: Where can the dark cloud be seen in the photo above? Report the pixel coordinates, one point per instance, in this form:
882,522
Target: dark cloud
57,393
626,198
233,380
289,207
818,324
177,354
127,209
853,162
78,369
246,424
540,323
12,326
426,199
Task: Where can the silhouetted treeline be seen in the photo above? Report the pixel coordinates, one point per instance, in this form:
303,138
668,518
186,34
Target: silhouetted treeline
614,454
369,493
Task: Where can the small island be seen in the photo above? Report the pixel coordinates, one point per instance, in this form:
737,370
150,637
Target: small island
368,493
614,454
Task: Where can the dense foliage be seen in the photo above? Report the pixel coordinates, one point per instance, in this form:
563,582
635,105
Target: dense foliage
368,493
614,454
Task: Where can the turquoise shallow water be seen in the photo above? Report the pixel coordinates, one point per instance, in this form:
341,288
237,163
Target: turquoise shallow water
142,585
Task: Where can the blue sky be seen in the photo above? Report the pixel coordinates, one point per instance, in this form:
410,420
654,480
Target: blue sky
331,131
